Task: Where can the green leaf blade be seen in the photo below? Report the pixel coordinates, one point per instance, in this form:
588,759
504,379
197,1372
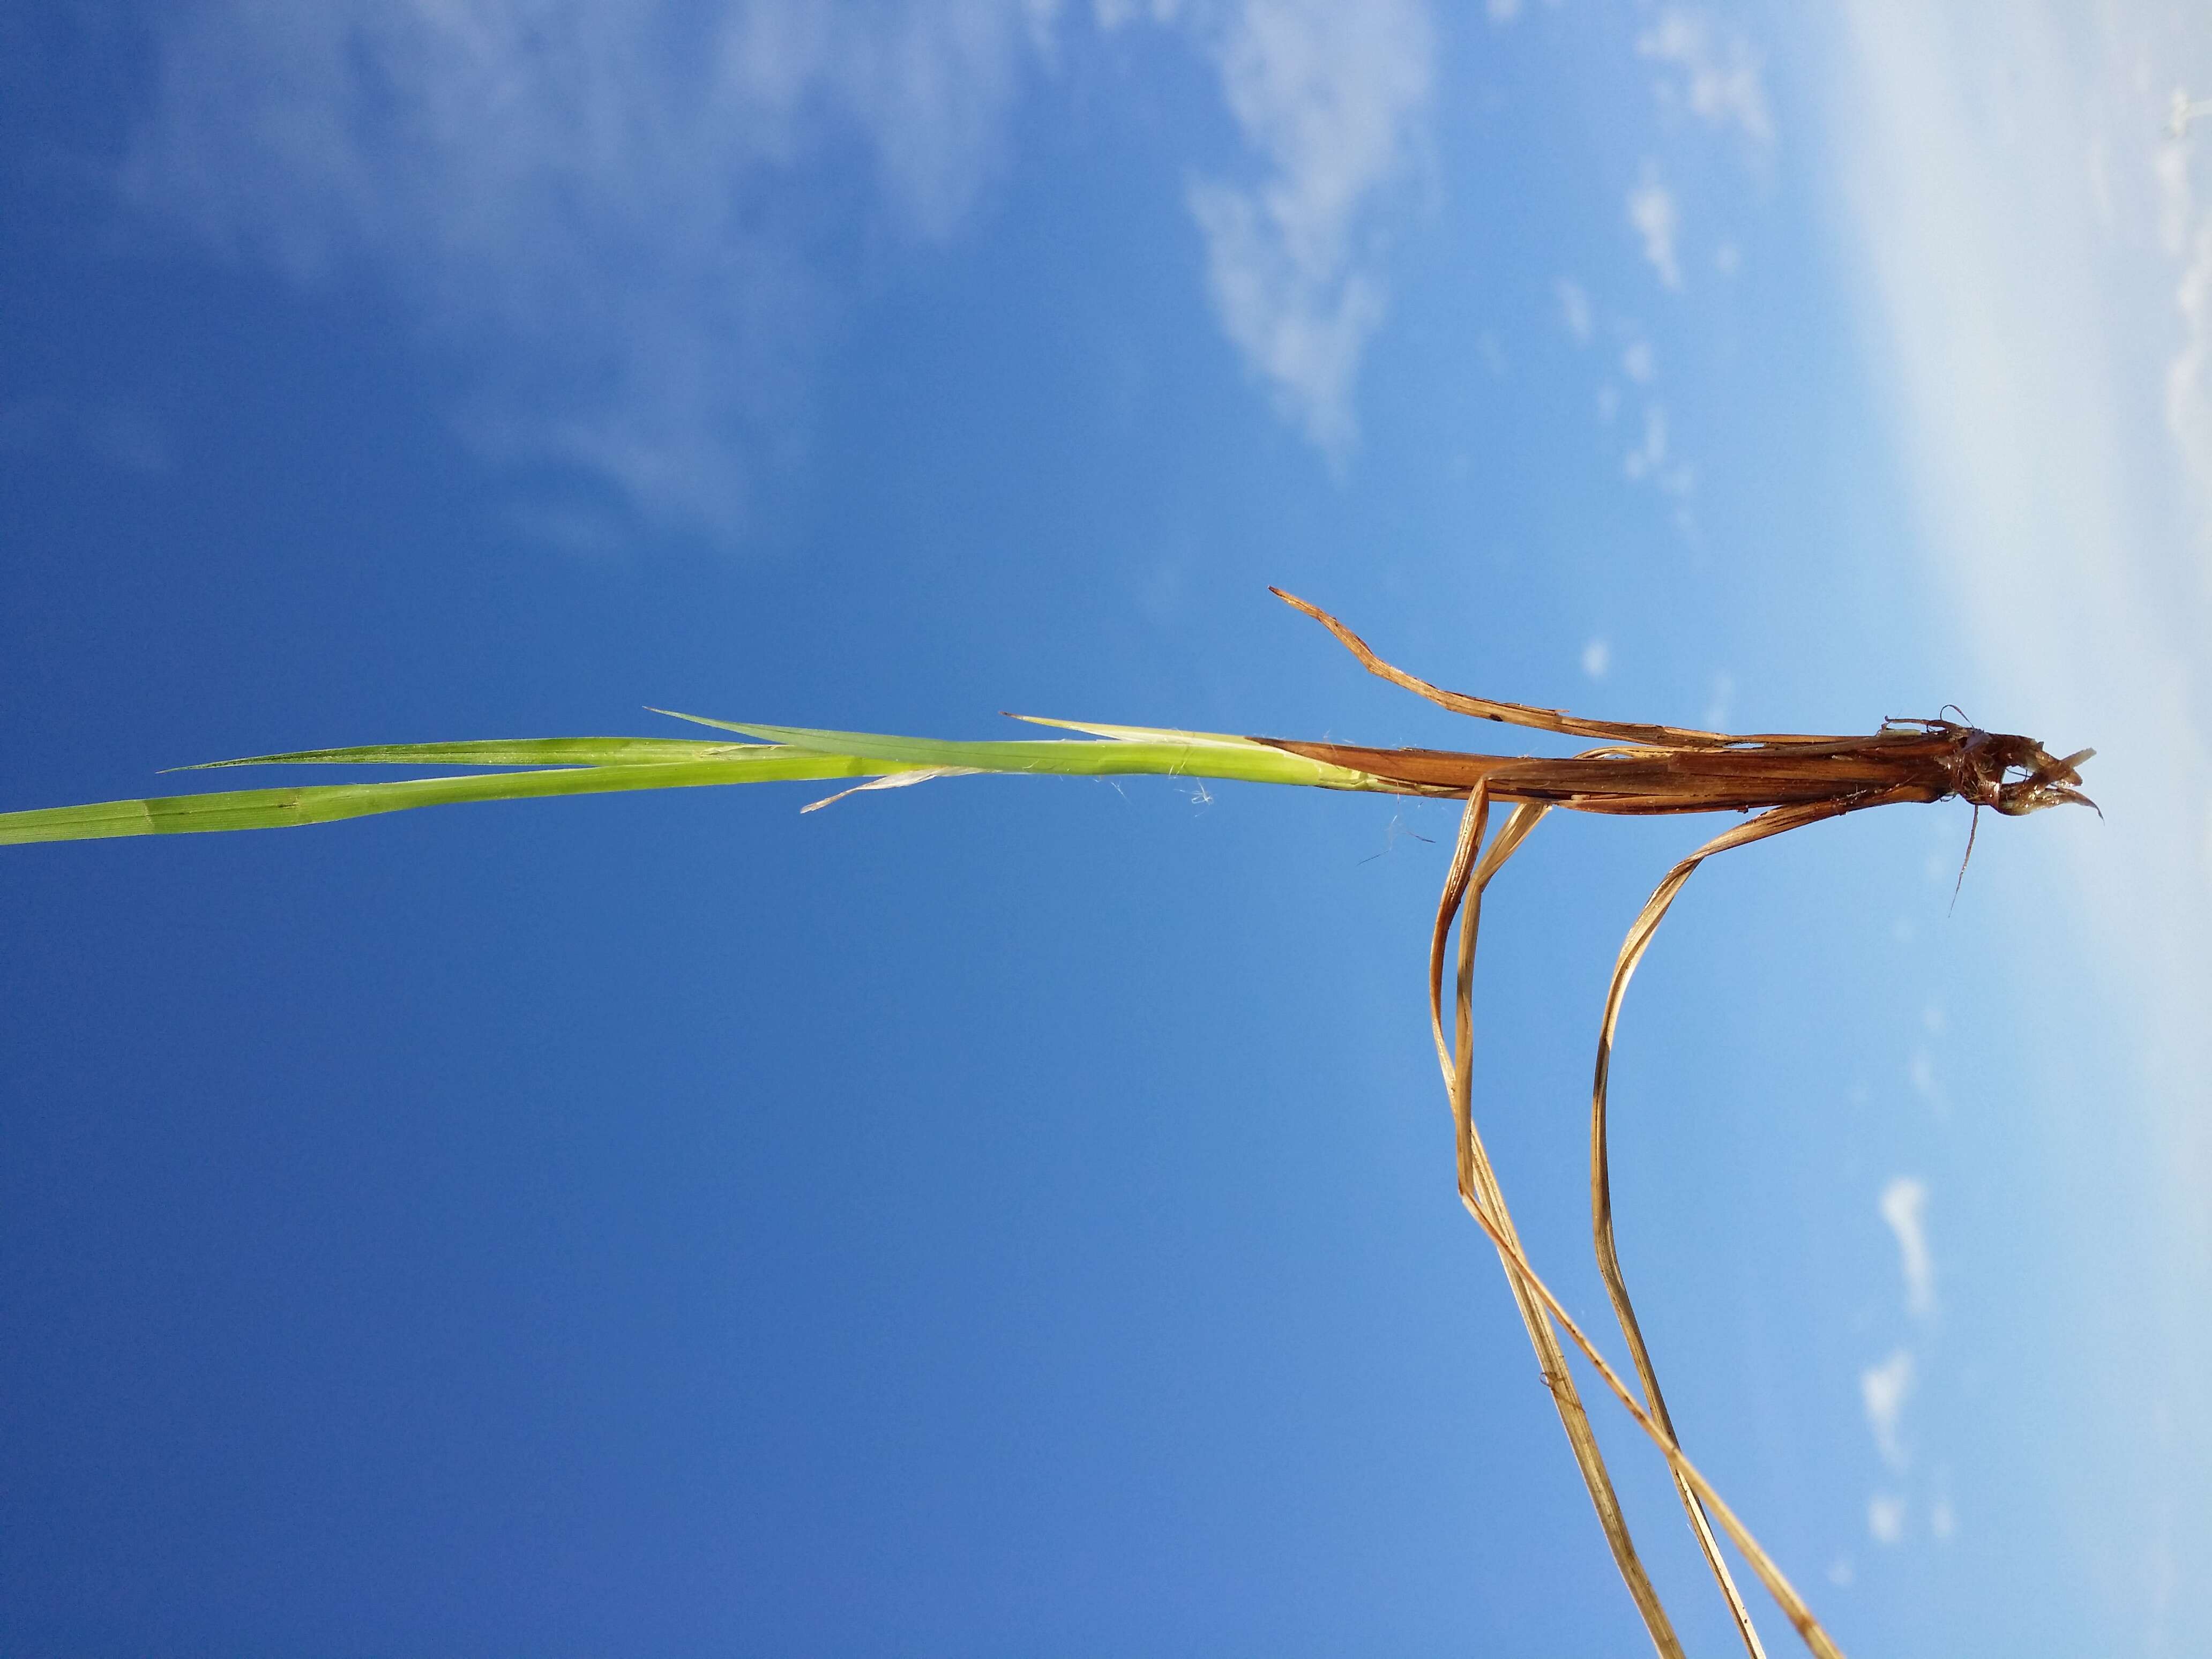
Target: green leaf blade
626,765
1133,751
305,803
501,751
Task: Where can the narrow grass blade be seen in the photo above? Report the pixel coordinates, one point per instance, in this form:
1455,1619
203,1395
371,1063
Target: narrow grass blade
625,763
499,751
284,808
1155,753
1136,733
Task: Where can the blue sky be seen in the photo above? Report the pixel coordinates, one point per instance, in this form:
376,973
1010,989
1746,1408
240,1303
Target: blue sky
1011,1215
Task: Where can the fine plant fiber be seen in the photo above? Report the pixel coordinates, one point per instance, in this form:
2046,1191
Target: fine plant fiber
1789,781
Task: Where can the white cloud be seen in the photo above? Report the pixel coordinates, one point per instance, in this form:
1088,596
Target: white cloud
2186,235
1648,457
1503,11
1883,1391
638,225
1886,1518
1721,701
2170,168
1331,98
1637,362
1653,215
1920,1072
615,214
2188,379
1717,80
1597,657
1647,462
2024,318
2033,350
1904,1204
1575,310
1112,13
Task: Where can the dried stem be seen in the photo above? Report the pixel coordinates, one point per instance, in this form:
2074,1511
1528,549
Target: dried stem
1638,941
1478,1193
1478,1183
1785,1595
1608,1254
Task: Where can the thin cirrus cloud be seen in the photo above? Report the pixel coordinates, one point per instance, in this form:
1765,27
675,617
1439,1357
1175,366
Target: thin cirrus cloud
1886,1518
1904,1206
2029,247
1883,1391
1657,222
1575,310
2185,234
1716,77
1331,98
609,211
2031,258
638,225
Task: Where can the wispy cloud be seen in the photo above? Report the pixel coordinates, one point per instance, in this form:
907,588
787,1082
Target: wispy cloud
1886,1518
1883,1391
1112,13
1648,462
2184,232
2043,337
1716,77
1647,457
1330,98
638,226
2029,306
1575,310
1719,701
618,216
1920,1072
2189,381
1653,215
1903,1205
